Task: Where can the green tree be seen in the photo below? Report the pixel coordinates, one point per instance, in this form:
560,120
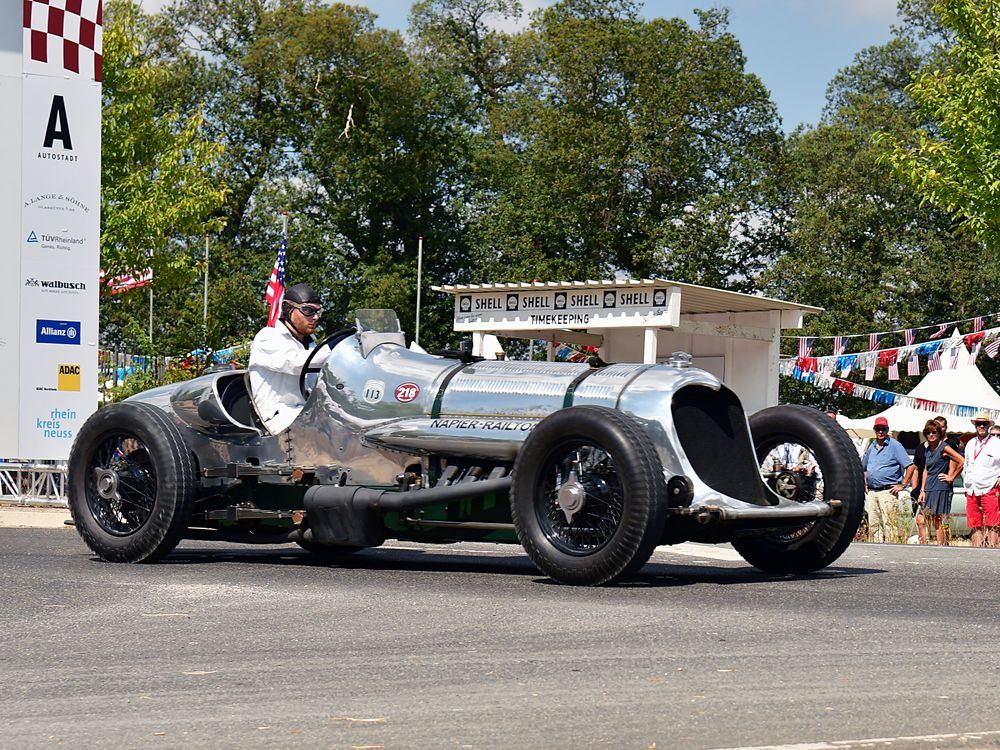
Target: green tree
157,167
858,240
633,146
952,160
158,181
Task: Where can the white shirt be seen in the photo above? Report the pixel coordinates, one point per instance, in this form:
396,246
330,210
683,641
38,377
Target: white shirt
982,465
276,360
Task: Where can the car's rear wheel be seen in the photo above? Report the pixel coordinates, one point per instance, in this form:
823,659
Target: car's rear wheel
820,444
588,498
131,483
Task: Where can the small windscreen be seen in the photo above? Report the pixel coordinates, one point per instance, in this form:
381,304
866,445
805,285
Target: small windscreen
380,321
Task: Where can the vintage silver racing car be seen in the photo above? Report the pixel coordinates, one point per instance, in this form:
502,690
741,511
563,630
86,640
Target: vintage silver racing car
587,466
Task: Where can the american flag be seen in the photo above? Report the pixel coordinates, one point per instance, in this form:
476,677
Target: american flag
934,362
977,324
974,352
908,336
942,329
276,285
805,345
993,348
839,344
913,365
873,339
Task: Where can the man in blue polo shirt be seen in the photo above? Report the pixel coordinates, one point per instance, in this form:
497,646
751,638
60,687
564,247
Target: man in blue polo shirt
887,467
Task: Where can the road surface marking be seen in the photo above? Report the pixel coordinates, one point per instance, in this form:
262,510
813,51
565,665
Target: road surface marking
874,742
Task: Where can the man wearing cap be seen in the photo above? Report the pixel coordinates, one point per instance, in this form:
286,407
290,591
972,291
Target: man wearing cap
887,467
982,472
278,354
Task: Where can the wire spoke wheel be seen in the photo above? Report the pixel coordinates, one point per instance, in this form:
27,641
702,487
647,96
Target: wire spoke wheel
583,501
804,456
589,498
121,485
131,482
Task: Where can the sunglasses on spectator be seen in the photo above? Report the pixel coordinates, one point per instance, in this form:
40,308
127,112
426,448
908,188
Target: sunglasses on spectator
881,429
930,432
310,311
981,424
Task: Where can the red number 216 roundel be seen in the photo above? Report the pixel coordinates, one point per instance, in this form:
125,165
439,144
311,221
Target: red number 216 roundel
406,392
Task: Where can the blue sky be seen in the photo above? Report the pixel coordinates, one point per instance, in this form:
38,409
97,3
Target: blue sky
794,46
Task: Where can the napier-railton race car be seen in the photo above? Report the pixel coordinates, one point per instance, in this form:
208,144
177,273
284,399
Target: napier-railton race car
588,466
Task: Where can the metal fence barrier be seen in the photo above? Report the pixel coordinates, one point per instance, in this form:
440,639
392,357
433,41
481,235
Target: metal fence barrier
33,483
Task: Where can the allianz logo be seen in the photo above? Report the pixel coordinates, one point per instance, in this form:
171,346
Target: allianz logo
55,284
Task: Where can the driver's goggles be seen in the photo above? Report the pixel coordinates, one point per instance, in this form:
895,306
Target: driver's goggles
310,311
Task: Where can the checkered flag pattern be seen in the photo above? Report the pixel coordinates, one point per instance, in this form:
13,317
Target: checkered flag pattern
63,36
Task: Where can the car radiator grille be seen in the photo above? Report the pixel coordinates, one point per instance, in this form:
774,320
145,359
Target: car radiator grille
713,433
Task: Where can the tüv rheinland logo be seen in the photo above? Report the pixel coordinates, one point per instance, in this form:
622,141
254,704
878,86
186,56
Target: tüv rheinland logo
57,332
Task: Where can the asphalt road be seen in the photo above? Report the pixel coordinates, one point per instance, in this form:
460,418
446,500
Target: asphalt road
469,647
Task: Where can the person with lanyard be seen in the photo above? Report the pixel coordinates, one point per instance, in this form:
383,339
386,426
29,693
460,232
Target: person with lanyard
278,354
887,469
982,473
942,464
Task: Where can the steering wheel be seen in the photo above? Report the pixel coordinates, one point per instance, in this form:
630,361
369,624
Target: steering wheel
332,340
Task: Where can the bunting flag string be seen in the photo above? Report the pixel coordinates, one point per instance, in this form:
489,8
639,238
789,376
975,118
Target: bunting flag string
909,334
939,354
790,368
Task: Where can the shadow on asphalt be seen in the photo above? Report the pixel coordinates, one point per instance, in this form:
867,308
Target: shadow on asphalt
652,575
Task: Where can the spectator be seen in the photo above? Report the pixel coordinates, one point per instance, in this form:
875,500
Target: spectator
982,472
942,464
919,512
887,469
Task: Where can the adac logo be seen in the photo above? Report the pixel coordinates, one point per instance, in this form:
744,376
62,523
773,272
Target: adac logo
69,377
57,130
57,332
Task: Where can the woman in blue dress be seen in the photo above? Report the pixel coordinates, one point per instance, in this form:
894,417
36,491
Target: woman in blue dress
943,463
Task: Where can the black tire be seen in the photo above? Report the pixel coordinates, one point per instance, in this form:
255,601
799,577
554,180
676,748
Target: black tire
131,482
818,543
620,491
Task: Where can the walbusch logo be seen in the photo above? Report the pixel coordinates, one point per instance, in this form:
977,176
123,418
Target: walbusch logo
56,285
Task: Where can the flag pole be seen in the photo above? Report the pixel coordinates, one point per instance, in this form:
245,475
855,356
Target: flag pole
204,307
420,268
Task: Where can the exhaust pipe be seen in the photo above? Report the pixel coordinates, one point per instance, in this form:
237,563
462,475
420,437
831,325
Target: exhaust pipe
353,515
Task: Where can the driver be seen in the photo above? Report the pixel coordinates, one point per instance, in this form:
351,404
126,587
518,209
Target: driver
278,354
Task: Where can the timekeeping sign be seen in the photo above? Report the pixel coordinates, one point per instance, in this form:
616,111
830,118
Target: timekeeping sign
50,123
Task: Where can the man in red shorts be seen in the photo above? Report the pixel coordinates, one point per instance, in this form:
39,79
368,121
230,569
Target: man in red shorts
982,474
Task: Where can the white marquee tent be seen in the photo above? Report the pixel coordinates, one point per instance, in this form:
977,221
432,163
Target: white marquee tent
963,385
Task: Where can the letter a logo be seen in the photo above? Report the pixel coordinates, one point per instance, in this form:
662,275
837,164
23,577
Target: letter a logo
58,127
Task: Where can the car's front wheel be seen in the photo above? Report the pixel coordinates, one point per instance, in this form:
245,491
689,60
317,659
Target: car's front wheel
819,445
588,499
131,483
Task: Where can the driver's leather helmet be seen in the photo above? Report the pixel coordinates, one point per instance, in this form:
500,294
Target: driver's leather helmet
300,294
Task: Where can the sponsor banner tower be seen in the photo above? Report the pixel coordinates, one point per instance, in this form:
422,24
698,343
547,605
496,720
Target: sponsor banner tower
50,121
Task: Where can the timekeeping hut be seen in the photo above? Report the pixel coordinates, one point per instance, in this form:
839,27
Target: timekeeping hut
734,336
